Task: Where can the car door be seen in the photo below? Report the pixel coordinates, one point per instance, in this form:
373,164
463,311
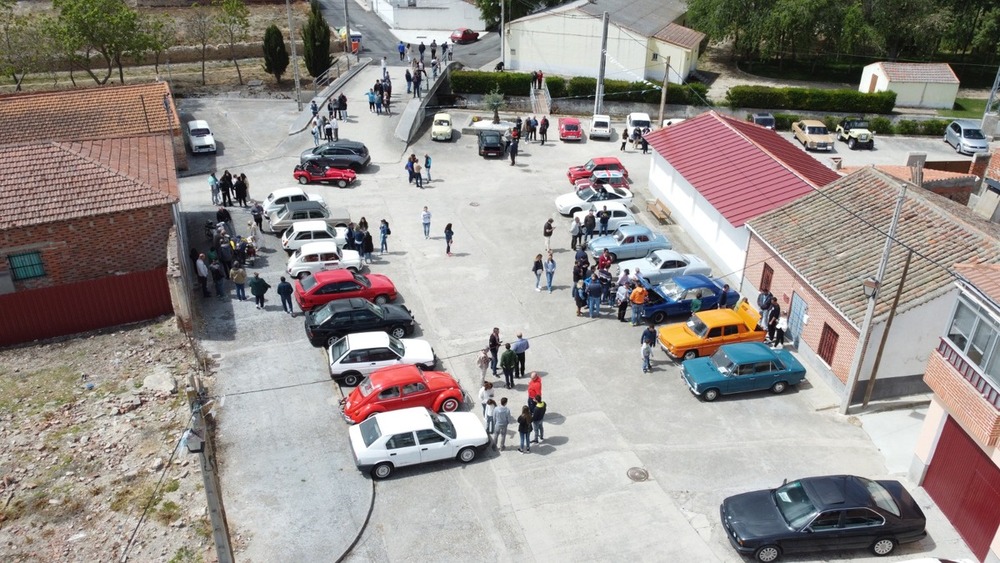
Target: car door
402,449
765,374
620,218
712,340
380,358
348,288
954,134
861,527
730,334
364,320
355,360
740,379
820,534
433,446
389,398
329,260
416,394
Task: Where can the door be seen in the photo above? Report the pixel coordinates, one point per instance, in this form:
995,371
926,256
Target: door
872,83
433,446
402,449
796,320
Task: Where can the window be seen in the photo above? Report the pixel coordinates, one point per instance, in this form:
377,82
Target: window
828,344
731,330
765,278
401,441
862,518
411,388
390,393
974,332
715,332
656,56
26,266
429,437
826,521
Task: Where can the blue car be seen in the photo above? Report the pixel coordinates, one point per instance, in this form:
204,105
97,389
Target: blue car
673,298
737,368
632,241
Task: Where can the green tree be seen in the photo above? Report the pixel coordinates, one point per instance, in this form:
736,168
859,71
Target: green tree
316,41
202,27
513,9
108,28
275,55
743,22
494,100
159,33
234,19
19,54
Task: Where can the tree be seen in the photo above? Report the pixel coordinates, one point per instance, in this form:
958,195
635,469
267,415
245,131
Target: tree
316,41
159,34
108,28
18,52
202,27
494,100
513,9
234,19
275,55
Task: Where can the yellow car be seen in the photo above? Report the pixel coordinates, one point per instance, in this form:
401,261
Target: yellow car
441,130
813,135
706,330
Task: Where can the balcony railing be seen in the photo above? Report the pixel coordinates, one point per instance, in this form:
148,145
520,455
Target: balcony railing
970,372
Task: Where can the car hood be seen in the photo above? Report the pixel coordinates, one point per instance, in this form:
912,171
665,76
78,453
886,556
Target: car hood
204,140
417,351
753,515
702,371
578,171
607,241
468,427
566,201
396,313
678,335
439,380
381,283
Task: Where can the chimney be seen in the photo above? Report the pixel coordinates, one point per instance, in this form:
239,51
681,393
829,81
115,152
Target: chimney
982,162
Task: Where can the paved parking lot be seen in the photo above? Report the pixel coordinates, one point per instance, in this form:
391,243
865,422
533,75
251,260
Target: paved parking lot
291,489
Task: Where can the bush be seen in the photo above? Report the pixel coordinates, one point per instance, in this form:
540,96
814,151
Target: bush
479,82
783,121
556,86
812,99
583,87
934,127
907,127
881,125
831,123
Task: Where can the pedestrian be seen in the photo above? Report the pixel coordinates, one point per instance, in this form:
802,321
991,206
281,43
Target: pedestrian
621,300
239,276
434,48
647,353
764,305
342,106
202,270
383,234
427,166
409,168
547,230
574,230
359,240
385,67
524,430
402,50
421,48
213,184
540,75
534,390
315,134
483,363
494,347
328,130
513,151
772,319
371,101
409,81
226,186
223,217
649,335
589,225
386,100
501,419
334,126
425,219
696,303
258,287
550,270
624,139
537,268
314,108
644,144
367,246
723,298
508,364
449,235
418,177
434,68
444,52
218,278
536,419
779,331
255,235
240,189
285,291
638,300
378,103
519,347
603,217
594,293
485,394
543,130
579,297
417,80
491,407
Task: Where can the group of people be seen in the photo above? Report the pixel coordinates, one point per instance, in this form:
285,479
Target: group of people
772,319
635,138
228,187
360,239
327,128
415,171
498,418
380,96
406,51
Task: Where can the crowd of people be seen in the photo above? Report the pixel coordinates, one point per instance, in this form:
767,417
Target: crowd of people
499,416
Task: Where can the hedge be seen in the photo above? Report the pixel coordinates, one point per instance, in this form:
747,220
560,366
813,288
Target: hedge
479,82
810,99
519,84
882,126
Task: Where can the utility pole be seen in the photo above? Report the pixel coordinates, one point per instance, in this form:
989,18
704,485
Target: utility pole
347,29
663,92
503,45
295,59
599,94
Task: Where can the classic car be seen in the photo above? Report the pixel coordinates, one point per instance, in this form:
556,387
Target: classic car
399,387
739,368
354,356
570,129
441,127
345,316
706,331
673,298
661,265
633,241
490,143
314,257
279,197
464,35
606,178
621,216
586,199
200,137
856,133
318,171
600,163
813,135
328,285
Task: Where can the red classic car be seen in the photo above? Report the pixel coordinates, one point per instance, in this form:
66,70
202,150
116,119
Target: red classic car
600,163
401,387
569,129
464,35
606,178
317,171
329,285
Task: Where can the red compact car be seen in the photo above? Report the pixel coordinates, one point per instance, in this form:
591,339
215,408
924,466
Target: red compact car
606,178
569,129
329,285
401,387
464,35
601,163
317,171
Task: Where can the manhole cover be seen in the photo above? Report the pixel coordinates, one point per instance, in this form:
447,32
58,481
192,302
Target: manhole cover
637,474
473,204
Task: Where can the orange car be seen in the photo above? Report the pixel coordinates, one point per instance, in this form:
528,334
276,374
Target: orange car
706,330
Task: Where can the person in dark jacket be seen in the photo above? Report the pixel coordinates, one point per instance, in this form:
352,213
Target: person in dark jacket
226,187
367,246
258,287
536,419
524,429
285,291
218,278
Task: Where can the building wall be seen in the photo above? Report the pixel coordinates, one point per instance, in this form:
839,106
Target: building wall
924,94
966,405
682,62
428,14
881,82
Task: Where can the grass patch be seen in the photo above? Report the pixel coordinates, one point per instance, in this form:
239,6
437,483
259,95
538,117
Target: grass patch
135,499
967,108
30,393
185,555
202,527
168,512
172,486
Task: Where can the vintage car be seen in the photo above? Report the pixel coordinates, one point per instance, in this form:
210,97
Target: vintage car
318,171
570,129
673,298
739,368
441,127
813,135
662,265
355,356
200,137
346,316
490,143
585,199
399,387
856,133
464,35
324,286
317,256
606,178
279,197
621,216
706,331
633,241
600,163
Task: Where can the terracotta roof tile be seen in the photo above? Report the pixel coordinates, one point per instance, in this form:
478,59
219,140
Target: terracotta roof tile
903,173
743,170
919,72
680,36
986,278
829,237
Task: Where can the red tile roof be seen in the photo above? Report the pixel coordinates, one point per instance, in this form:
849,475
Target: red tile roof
939,73
680,36
986,278
903,173
742,169
46,182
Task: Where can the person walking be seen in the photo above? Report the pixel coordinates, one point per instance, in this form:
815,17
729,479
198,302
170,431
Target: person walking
485,394
417,176
513,151
550,270
218,278
534,390
483,363
624,139
285,291
524,430
638,300
508,363
547,230
239,276
427,166
449,235
773,315
647,353
367,246
202,270
621,300
519,347
537,416
409,81
383,234
258,287
501,419
494,347
213,185
402,50
491,407
543,130
537,268
425,219
575,230
723,302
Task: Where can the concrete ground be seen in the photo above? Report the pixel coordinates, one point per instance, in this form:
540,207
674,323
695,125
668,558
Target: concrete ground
291,489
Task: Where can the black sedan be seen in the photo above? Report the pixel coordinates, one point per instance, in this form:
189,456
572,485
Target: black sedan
822,513
346,316
490,143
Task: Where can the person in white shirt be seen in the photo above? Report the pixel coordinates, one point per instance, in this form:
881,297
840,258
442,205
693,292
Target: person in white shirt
485,394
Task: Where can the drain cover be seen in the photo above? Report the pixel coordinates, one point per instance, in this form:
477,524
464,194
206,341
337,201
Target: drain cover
637,474
473,204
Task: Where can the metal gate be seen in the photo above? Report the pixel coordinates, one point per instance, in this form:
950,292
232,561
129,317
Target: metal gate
796,319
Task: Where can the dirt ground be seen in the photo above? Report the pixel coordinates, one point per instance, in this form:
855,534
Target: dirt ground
90,435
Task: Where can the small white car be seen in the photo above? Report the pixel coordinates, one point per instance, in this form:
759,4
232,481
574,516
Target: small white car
281,196
393,439
357,355
200,137
662,265
441,129
585,199
600,127
621,216
316,256
302,232
637,119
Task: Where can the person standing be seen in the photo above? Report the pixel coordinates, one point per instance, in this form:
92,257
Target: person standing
417,176
764,305
448,236
334,126
779,331
594,292
213,184
537,415
285,290
241,187
647,353
621,299
491,407
425,219
383,235
258,287
575,230
255,234
547,230
589,224
501,419
534,390
226,186
421,48
773,315
315,134
416,83
202,270
222,216
508,363
696,303
239,276
638,300
543,130
550,270
723,298
409,168
519,347
314,108
409,81
367,246
524,430
371,101
402,50
603,217
537,268
328,130
257,213
385,67
218,278
485,394
427,166
483,363
494,347
624,139
513,151
342,106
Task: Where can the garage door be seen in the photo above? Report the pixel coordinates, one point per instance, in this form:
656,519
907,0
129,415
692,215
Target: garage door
966,486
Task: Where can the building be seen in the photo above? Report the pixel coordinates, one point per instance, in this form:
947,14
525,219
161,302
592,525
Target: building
956,459
917,85
642,35
429,14
815,252
715,173
956,186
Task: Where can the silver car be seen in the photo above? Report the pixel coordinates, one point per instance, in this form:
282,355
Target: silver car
662,265
966,136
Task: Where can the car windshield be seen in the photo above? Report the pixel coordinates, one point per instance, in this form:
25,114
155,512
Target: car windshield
322,315
338,348
572,127
620,237
396,345
640,123
765,121
369,431
362,279
589,167
699,328
200,132
307,282
655,259
882,498
723,362
378,310
671,290
816,130
973,134
794,504
443,424
441,122
586,194
857,125
365,387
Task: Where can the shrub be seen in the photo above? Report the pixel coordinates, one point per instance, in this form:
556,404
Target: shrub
907,127
881,126
556,86
848,101
583,87
934,127
783,121
831,123
479,82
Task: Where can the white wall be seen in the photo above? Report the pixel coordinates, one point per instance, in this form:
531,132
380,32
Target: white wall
866,76
429,14
913,337
924,95
682,62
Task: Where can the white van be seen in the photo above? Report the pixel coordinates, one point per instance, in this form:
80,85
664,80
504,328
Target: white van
302,232
600,127
638,119
316,256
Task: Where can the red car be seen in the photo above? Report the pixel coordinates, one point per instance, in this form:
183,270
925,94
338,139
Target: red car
329,285
606,178
569,129
402,387
464,35
317,171
601,163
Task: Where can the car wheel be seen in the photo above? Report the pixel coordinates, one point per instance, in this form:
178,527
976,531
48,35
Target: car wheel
356,167
871,145
851,143
614,257
690,354
465,455
711,395
341,183
382,471
331,340
779,387
303,180
398,331
352,379
883,546
289,252
381,300
659,317
574,211
449,405
767,553
302,275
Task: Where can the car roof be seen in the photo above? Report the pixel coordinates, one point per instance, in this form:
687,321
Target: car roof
346,304
311,225
489,133
635,230
668,254
813,122
362,340
404,420
568,120
281,192
340,274
969,123
749,352
608,174
309,204
321,246
639,114
605,160
442,116
601,116
763,115
344,143
197,124
835,491
719,317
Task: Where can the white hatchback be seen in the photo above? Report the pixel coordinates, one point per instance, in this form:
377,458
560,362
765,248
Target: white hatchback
316,256
200,137
303,232
620,215
357,355
600,127
276,199
585,199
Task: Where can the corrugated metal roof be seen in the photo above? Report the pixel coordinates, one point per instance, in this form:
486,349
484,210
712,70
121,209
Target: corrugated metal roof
742,169
939,73
680,36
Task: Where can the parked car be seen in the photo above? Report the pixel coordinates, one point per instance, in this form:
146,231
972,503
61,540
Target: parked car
662,265
633,241
706,331
318,171
441,128
765,120
600,163
284,216
813,135
739,368
317,256
355,356
464,35
586,199
412,436
638,119
966,137
279,197
856,133
302,232
606,178
346,316
339,154
328,285
832,512
200,137
600,127
621,216
400,387
673,297
570,129
490,143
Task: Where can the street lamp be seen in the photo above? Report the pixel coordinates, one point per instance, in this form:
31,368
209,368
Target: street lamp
870,286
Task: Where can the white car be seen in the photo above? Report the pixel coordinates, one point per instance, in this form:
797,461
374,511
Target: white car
393,439
638,119
302,232
662,265
281,196
620,215
316,256
355,356
441,129
600,127
200,137
586,198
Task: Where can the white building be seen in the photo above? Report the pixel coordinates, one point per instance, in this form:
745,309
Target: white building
429,14
917,85
642,34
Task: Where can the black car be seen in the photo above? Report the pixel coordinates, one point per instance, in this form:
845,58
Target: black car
490,143
339,154
822,513
346,316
